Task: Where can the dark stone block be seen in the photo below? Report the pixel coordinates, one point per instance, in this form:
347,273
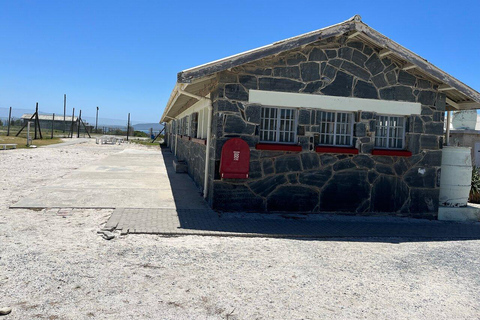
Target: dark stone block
386,62
331,53
359,58
252,113
316,178
251,140
367,50
424,84
327,159
300,130
391,77
310,71
385,169
287,164
367,147
364,161
429,142
397,93
345,53
356,45
341,86
343,165
365,90
329,73
416,124
255,170
293,198
304,117
383,159
424,200
434,128
313,87
236,92
367,115
235,124
317,55
406,78
356,70
413,143
258,70
310,160
439,116
400,166
440,104
432,158
335,62
225,105
426,111
267,166
292,178
265,186
296,59
235,197
287,72
345,191
388,194
379,81
227,77
273,84
372,176
427,97
374,64
360,129
421,177
249,82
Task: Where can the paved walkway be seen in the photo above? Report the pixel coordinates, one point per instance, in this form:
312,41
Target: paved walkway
192,216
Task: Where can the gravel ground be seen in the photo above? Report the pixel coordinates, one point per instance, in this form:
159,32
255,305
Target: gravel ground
53,265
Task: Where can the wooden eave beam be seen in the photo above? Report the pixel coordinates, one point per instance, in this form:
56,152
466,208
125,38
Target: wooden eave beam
384,52
353,35
409,66
445,87
453,103
469,105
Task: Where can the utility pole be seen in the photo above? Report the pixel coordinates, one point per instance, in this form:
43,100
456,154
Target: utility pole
96,122
9,120
128,125
64,112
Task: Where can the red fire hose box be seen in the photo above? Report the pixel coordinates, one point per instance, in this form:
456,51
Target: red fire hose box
235,160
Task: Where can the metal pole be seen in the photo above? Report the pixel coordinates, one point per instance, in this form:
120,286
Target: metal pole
53,122
28,133
71,128
36,117
96,122
9,121
447,133
64,112
78,124
128,125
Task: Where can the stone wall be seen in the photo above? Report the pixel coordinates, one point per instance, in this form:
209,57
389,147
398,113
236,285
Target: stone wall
313,182
193,154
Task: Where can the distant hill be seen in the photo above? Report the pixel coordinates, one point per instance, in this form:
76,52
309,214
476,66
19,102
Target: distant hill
147,126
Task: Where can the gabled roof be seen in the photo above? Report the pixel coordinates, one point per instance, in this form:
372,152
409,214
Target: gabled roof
459,95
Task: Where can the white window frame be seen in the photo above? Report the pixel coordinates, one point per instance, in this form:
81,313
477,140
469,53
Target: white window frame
277,130
350,116
389,130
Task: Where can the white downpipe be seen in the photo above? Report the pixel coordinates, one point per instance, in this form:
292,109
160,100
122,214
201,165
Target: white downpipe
447,138
207,152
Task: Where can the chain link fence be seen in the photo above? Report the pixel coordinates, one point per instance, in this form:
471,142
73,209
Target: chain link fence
14,122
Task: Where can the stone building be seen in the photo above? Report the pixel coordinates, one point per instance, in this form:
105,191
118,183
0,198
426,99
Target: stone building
341,119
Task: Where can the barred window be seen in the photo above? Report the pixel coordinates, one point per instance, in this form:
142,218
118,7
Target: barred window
390,132
278,125
336,128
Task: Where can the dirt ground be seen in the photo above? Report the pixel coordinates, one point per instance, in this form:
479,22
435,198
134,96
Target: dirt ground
54,265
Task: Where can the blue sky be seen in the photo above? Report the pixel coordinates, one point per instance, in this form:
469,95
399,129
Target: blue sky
123,56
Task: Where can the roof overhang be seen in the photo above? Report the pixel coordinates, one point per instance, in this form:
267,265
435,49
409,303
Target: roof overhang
459,95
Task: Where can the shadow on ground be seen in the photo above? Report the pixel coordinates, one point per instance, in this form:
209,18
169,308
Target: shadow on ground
196,217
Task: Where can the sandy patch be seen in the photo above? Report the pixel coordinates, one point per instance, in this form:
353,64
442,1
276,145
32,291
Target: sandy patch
53,265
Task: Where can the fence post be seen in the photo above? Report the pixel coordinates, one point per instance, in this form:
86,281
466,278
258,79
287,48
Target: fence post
9,121
78,123
36,113
64,112
53,122
128,125
71,128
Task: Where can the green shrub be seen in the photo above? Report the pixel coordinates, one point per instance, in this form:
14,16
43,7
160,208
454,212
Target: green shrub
475,187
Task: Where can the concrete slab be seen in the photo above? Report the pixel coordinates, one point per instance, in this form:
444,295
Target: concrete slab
469,213
128,179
